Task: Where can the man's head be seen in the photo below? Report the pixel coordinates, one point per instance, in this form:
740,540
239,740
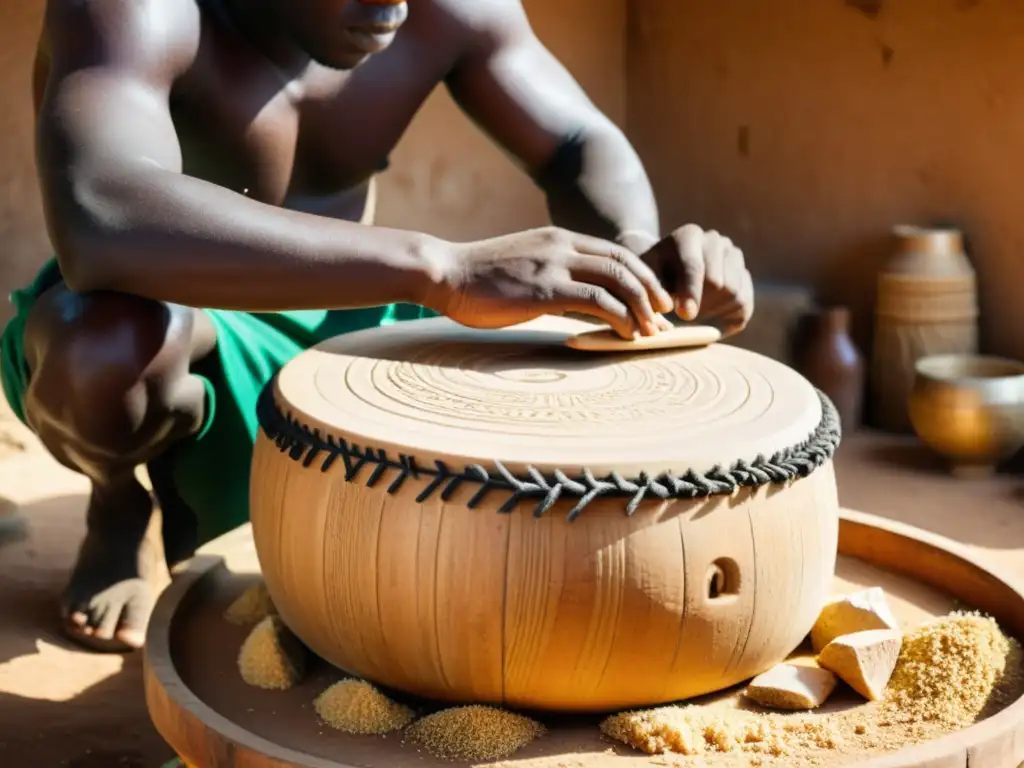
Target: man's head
341,33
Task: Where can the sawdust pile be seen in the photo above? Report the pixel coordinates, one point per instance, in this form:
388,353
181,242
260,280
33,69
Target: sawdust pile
251,607
950,673
355,706
705,731
271,656
474,733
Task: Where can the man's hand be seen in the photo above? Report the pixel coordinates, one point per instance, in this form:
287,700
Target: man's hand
706,275
515,278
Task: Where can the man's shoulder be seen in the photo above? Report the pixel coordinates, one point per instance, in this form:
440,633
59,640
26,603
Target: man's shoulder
481,14
151,32
481,24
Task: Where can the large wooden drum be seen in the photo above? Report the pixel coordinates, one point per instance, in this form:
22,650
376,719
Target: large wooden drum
488,516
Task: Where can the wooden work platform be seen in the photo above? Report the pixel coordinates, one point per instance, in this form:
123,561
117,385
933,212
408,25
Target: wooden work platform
197,702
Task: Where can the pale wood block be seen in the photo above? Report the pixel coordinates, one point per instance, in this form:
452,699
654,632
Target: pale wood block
792,686
864,660
856,612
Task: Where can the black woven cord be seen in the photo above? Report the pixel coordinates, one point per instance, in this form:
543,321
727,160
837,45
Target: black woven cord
370,465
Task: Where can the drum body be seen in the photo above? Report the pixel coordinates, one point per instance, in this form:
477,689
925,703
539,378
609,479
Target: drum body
489,517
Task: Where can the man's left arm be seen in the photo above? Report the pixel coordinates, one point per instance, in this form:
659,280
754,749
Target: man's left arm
519,93
523,97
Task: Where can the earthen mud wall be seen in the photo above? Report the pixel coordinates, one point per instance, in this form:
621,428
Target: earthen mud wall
804,130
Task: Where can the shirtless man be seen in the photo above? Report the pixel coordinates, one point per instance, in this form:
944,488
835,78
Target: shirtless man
219,154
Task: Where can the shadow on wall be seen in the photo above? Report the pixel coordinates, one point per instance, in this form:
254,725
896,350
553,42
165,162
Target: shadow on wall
851,278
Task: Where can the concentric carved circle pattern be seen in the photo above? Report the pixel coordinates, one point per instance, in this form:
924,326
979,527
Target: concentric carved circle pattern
432,389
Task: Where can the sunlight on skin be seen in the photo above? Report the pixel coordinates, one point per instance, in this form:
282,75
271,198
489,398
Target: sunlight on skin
66,676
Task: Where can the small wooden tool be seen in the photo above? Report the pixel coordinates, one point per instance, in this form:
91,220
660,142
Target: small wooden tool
607,340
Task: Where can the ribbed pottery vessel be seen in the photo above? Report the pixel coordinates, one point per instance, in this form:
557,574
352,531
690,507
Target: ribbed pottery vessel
926,305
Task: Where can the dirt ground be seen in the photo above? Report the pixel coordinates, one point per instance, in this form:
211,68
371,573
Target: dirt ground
59,706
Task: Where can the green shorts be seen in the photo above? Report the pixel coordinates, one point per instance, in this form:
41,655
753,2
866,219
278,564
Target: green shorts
211,469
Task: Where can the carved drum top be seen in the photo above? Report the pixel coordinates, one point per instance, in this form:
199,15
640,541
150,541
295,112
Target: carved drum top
435,390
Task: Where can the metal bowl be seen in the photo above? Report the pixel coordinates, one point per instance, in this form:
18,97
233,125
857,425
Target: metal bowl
969,409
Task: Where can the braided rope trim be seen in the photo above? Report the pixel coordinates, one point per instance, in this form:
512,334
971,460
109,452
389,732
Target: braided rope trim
307,445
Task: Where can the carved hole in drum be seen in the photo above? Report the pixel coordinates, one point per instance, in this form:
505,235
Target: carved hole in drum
723,579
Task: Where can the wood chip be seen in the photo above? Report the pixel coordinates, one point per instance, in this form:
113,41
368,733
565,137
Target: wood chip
856,612
864,660
792,686
607,340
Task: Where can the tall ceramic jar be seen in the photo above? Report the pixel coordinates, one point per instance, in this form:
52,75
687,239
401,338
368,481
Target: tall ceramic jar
926,305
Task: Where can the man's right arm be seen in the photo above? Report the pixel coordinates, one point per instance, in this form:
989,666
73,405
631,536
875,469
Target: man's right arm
124,217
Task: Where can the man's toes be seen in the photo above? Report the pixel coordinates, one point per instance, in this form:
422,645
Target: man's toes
95,626
83,621
105,621
76,614
134,618
132,637
87,637
113,620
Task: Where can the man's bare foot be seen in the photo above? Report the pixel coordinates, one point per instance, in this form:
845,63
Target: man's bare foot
108,601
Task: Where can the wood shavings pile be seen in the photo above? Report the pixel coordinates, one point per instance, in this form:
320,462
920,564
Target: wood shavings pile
474,733
703,731
355,706
251,607
271,657
951,672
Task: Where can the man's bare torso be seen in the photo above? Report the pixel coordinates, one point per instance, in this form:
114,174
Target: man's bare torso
173,137
310,139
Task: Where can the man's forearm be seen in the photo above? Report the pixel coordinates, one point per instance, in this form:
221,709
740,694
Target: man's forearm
173,238
595,184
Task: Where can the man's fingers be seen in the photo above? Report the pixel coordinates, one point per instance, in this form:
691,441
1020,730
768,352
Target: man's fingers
734,269
593,300
723,280
690,286
740,283
720,311
739,317
714,259
746,295
619,281
658,296
730,326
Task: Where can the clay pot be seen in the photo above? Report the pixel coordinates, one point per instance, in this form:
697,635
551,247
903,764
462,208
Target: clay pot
926,305
969,409
826,355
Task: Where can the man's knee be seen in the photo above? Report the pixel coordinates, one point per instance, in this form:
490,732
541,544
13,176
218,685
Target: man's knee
107,372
